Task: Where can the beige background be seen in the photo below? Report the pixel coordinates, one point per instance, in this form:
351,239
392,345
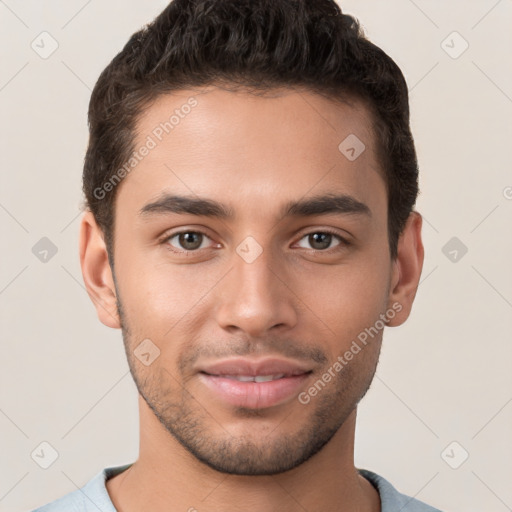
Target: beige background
444,376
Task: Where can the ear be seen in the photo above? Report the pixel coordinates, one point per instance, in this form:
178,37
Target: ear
96,271
406,270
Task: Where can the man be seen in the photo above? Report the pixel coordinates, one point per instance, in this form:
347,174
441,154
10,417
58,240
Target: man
250,183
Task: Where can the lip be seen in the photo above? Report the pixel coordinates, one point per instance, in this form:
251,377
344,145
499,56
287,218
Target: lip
254,395
267,366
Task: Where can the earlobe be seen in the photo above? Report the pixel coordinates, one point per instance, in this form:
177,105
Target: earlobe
406,270
96,271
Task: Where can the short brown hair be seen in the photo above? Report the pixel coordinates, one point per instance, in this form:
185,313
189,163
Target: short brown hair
262,45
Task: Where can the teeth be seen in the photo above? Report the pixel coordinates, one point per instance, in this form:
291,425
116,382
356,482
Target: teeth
242,378
266,378
258,378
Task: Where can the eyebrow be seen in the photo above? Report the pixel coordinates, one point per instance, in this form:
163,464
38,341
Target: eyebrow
343,204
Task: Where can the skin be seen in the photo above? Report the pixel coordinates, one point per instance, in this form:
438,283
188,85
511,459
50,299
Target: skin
297,299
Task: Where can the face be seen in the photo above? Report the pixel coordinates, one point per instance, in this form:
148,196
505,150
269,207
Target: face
275,252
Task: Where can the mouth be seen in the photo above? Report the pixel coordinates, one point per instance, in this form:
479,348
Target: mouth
268,368
252,378
254,392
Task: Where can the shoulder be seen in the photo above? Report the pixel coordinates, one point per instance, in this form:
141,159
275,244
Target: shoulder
93,496
391,499
71,502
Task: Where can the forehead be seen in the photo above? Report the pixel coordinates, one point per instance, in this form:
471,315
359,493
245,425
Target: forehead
258,151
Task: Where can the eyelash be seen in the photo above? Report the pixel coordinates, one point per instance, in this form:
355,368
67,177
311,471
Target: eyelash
343,242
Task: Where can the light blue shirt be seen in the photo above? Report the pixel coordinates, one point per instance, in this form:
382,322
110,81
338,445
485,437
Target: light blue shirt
94,497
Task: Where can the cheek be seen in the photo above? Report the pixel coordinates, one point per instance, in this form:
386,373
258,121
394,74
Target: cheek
346,298
158,298
343,302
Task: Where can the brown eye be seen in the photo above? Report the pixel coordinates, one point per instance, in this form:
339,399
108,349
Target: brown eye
187,240
322,240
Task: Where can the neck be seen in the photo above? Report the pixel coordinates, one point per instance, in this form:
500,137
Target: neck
166,477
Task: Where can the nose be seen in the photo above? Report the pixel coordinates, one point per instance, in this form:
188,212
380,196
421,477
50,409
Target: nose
255,297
